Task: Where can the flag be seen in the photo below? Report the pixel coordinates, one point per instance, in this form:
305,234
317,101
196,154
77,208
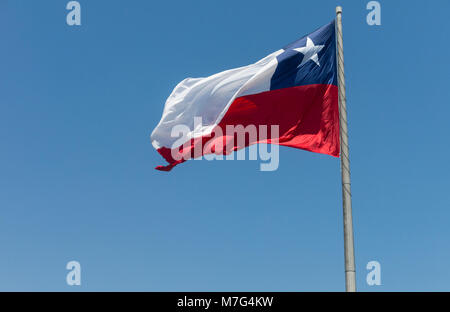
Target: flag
294,89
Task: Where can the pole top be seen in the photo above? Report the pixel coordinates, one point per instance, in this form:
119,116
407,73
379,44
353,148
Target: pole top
338,10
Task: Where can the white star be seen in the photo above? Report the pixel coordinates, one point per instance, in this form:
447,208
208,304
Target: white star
310,52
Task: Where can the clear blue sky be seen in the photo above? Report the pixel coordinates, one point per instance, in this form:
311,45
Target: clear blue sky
78,104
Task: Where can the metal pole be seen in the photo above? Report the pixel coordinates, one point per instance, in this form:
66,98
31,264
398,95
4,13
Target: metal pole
350,278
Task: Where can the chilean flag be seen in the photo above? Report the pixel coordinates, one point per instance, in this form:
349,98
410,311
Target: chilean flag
294,88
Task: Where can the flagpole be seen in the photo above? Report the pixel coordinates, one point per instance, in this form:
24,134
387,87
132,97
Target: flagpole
350,277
